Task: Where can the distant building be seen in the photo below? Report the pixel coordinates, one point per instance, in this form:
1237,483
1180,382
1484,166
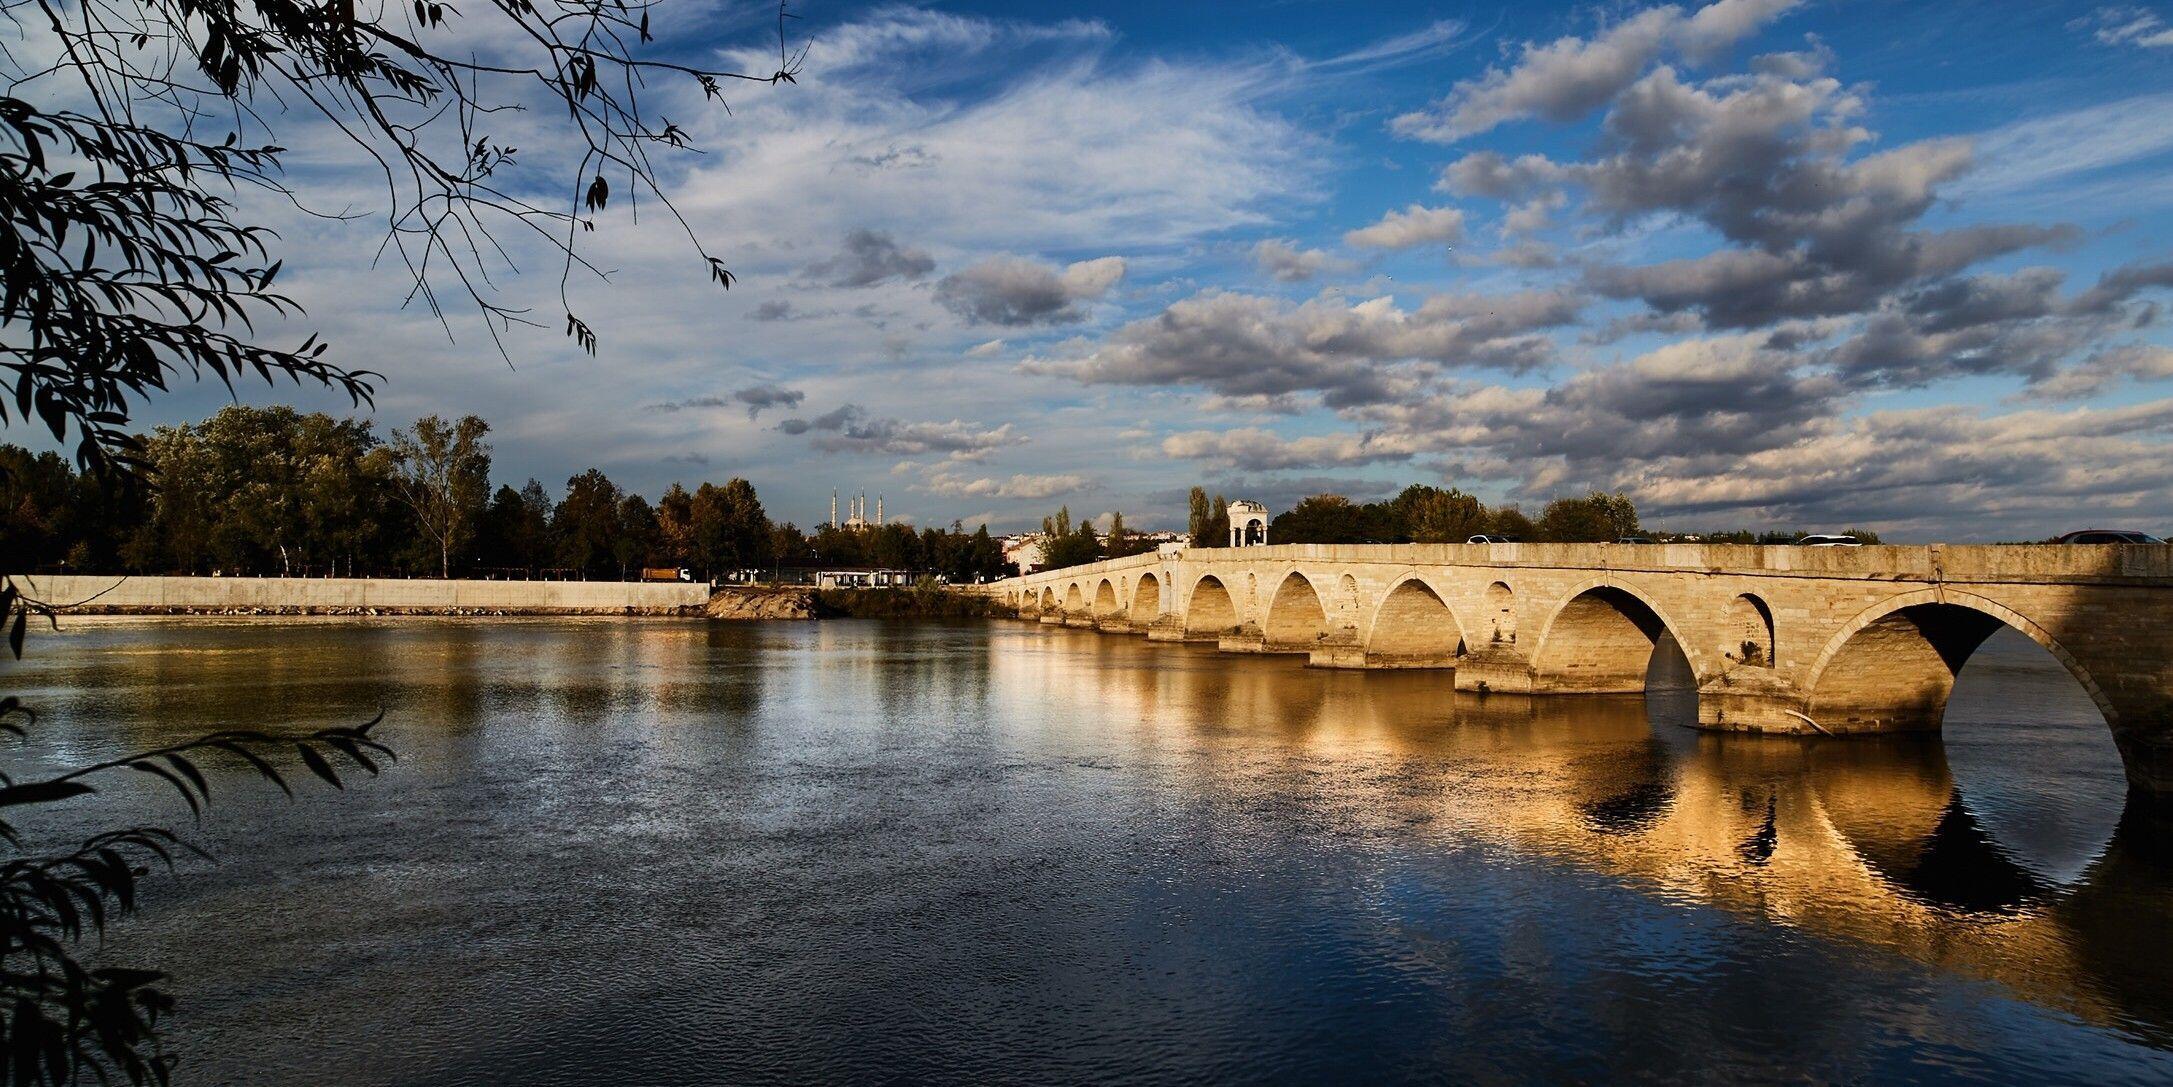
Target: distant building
1024,552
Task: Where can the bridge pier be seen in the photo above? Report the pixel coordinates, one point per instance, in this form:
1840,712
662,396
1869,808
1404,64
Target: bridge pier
1330,655
1754,700
1247,638
1168,627
1120,626
1495,667
2146,752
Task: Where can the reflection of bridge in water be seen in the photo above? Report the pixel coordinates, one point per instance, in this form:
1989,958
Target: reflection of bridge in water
1872,842
1779,639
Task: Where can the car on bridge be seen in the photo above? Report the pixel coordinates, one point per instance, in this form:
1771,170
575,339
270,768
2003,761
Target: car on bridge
2108,536
1829,539
1485,538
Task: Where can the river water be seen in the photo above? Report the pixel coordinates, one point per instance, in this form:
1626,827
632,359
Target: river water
668,852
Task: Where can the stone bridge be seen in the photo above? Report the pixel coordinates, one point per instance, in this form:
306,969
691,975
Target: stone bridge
1781,639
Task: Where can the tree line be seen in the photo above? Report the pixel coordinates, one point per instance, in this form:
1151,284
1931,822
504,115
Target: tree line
1417,514
277,491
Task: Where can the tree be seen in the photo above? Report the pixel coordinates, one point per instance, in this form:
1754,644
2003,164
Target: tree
516,529
746,526
1510,521
131,266
675,527
1120,542
444,476
124,267
1218,523
1199,519
638,535
1432,515
1595,518
267,489
1072,547
1321,518
586,524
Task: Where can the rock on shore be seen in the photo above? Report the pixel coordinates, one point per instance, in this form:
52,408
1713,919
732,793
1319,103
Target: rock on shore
736,602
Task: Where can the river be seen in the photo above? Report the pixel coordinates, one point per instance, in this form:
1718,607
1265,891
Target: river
663,851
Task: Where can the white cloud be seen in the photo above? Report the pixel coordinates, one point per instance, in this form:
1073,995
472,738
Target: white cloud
1569,77
1414,225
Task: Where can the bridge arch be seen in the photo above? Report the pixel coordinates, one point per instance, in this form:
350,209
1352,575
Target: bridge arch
1146,599
1414,623
1105,601
1601,639
1749,631
1048,599
1210,609
1297,618
1891,668
1074,600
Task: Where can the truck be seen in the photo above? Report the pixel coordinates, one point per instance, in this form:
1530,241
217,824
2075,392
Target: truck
666,573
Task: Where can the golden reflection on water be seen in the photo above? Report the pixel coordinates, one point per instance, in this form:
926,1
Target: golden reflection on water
1866,840
1889,843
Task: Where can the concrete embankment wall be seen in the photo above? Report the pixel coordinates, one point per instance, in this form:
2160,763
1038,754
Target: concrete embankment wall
113,594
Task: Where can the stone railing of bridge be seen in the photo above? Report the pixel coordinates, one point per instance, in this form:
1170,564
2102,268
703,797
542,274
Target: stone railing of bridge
1781,639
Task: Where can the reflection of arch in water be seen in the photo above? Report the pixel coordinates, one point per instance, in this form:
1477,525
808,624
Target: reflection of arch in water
1414,624
1105,600
1146,599
1602,639
1296,619
1893,802
1893,666
1210,612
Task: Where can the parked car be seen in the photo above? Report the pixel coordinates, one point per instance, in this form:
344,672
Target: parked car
1821,539
2109,536
1491,539
1635,539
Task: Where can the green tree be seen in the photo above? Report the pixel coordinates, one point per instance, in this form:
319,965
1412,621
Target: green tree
444,478
1595,518
1218,523
675,528
638,537
728,527
1432,515
1200,519
586,524
1073,547
1321,519
1510,521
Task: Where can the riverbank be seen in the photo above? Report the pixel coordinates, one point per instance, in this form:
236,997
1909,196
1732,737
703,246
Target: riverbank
789,602
274,597
93,594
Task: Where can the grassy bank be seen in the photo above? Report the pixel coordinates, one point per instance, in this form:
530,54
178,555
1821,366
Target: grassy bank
919,602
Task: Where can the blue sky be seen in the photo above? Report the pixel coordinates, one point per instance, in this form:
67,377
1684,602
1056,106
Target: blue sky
1811,264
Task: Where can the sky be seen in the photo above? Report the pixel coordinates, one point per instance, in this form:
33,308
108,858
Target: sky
1760,263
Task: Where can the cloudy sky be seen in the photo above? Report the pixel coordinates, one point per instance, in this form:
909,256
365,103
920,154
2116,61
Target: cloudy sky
1836,262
